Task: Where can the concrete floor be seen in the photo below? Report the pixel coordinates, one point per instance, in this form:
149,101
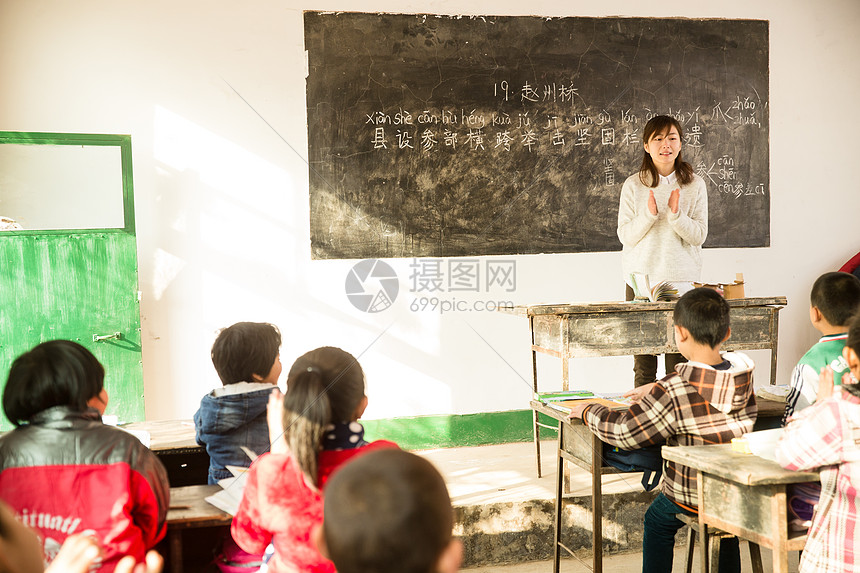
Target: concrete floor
630,562
614,563
507,472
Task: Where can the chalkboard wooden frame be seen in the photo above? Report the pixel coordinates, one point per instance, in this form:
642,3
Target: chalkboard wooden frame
477,135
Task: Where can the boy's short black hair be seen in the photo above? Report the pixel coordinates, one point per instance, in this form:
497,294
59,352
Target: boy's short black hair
245,349
54,373
705,313
837,296
387,511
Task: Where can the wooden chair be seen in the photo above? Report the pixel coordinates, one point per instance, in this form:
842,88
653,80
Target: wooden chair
713,545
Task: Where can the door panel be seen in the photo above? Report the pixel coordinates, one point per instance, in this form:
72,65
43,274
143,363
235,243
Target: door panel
75,284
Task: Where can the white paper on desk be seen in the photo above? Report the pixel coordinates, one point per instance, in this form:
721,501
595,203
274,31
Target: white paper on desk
230,496
141,435
236,470
615,397
763,442
224,503
249,452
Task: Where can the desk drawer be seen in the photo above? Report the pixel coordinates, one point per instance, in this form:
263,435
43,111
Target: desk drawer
185,466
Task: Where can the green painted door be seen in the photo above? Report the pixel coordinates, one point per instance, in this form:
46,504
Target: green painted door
70,270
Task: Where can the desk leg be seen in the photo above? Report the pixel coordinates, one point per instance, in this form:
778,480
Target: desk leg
597,503
774,337
175,540
535,387
559,493
703,529
779,525
536,434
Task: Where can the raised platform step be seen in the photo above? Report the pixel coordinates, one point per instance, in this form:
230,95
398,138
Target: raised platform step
504,512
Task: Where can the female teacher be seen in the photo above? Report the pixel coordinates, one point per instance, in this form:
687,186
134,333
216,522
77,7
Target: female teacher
662,222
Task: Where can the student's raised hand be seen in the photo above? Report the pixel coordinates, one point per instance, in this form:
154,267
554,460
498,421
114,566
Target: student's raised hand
639,392
275,420
825,383
152,563
674,200
652,202
78,553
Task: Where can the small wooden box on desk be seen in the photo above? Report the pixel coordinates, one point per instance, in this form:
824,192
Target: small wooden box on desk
568,331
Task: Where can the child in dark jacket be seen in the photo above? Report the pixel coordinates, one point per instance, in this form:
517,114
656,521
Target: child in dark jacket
247,359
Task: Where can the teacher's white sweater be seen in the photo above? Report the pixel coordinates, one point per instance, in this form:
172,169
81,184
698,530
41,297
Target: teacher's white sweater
666,246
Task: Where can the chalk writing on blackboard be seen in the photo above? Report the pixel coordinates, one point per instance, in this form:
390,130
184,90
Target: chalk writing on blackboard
445,136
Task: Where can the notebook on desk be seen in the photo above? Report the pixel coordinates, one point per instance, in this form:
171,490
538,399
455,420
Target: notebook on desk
613,404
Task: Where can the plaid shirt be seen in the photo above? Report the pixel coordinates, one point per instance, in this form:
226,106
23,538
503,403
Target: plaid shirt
698,405
827,435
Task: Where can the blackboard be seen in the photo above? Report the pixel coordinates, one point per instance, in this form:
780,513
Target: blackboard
476,135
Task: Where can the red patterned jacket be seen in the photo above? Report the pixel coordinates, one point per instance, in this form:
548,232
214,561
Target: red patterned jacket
66,472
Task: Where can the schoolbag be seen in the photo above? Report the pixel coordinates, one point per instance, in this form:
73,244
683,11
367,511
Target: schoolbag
647,460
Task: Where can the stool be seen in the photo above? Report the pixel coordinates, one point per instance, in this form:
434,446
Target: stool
713,545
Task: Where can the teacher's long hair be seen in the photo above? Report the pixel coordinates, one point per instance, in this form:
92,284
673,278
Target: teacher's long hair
648,174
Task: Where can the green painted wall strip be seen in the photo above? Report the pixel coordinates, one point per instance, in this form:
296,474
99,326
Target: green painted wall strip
427,432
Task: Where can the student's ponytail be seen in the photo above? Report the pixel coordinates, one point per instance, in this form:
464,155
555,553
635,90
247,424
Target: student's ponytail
307,412
324,386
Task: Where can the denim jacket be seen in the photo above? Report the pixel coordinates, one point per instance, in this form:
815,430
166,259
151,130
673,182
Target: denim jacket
224,423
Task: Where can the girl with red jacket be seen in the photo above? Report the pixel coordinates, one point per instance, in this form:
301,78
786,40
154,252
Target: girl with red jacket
316,433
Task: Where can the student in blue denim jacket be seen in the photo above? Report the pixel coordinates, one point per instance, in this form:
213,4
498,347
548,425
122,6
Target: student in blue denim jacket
247,357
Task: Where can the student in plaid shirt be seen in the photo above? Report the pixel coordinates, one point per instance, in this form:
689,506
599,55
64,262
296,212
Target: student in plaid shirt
826,435
707,400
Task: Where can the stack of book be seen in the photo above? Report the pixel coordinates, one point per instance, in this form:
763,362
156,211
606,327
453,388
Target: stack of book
564,401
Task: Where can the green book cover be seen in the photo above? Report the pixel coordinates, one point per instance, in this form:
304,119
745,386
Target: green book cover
566,395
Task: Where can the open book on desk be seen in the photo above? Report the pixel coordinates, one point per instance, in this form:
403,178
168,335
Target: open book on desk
662,291
232,488
613,403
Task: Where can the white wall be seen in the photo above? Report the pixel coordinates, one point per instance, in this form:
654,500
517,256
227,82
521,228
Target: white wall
212,93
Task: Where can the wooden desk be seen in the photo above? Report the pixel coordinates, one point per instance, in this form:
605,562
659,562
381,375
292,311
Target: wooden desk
190,510
744,495
578,445
173,441
567,331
